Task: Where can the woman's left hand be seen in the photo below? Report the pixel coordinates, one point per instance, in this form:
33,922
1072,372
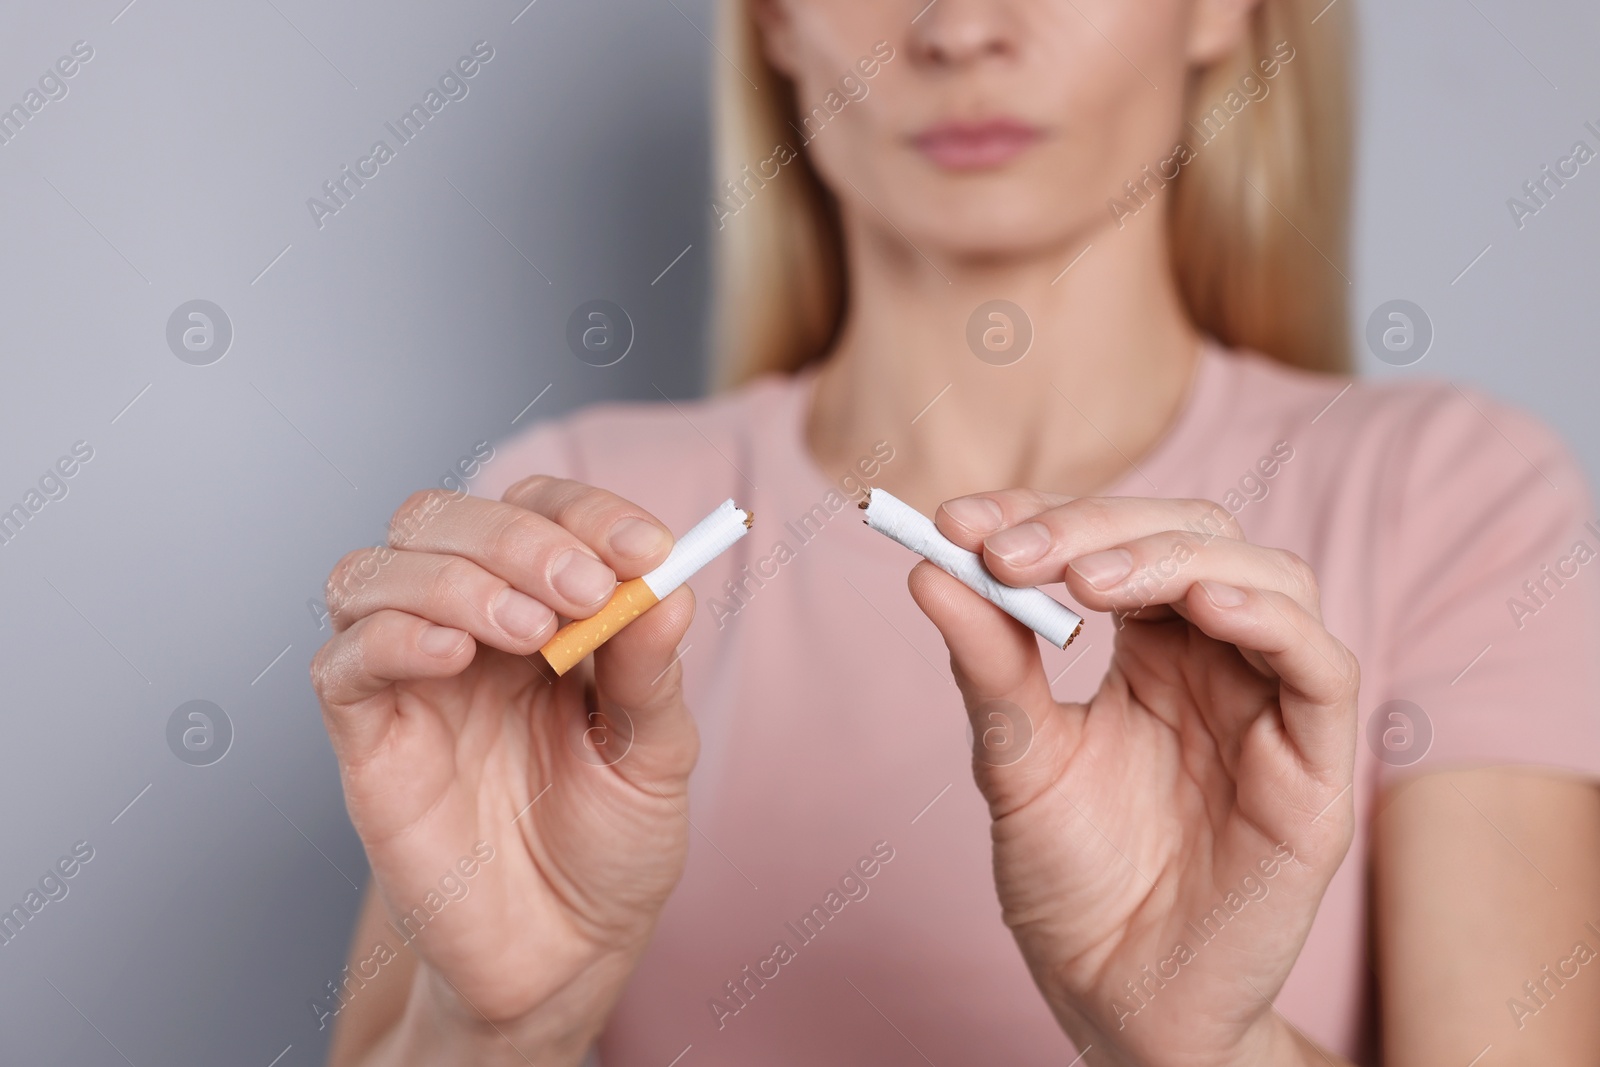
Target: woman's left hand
1159,851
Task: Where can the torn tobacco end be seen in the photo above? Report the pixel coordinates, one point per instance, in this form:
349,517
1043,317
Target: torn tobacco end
866,501
1075,632
749,519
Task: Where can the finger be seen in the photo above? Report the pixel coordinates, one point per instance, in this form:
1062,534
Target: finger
628,538
1158,569
995,661
640,671
967,520
1037,533
530,552
992,655
445,590
1318,677
379,650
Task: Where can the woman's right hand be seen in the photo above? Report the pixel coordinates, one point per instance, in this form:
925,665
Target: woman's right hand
450,730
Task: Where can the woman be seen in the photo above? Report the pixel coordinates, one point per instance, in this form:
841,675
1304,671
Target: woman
1209,833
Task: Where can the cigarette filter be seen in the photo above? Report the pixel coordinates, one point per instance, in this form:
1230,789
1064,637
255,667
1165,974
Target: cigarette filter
705,541
1045,616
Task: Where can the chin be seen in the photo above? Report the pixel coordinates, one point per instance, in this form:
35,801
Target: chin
991,223
1000,212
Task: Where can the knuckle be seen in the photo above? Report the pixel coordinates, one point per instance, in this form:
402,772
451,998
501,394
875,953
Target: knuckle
413,514
354,569
578,506
527,488
1022,504
1211,519
1186,544
1092,513
322,671
1352,667
1172,553
518,537
1302,576
365,649
595,515
457,575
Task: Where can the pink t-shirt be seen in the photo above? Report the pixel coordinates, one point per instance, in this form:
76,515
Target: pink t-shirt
1456,550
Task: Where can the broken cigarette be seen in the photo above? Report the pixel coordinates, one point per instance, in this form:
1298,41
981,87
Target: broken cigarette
705,541
1042,614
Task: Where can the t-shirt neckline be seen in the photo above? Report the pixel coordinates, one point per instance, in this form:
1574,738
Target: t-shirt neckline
1184,435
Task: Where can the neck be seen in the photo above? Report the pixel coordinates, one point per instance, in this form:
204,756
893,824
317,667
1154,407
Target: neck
1110,361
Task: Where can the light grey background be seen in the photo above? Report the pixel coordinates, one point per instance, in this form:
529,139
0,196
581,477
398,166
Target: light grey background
370,354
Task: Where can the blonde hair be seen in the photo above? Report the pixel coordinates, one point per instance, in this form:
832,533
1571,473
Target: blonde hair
1256,226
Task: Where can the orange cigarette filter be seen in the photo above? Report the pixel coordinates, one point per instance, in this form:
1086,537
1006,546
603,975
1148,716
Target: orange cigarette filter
577,639
705,541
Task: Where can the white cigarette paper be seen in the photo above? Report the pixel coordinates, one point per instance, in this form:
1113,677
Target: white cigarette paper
705,541
1042,614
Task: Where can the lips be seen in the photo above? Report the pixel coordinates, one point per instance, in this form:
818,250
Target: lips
976,145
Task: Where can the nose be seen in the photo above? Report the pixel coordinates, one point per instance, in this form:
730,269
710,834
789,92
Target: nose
954,33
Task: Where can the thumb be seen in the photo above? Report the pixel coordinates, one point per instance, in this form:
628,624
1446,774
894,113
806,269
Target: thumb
639,687
1019,732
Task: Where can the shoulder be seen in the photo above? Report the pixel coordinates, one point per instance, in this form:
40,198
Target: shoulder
1407,442
1414,409
1428,508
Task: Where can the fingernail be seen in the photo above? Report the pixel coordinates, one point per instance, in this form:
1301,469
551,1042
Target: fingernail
581,578
977,513
518,614
1104,569
634,537
1223,596
441,641
1020,544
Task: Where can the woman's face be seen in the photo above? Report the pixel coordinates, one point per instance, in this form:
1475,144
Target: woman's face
988,127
